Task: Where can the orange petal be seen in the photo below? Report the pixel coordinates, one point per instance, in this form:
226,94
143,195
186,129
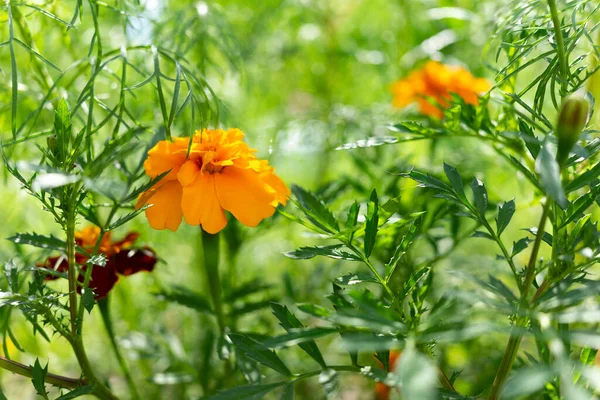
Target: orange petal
200,204
188,172
166,209
245,195
166,156
281,190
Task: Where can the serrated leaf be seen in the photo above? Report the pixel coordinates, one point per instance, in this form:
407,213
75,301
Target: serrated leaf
41,241
549,172
298,336
126,218
12,275
87,298
480,196
316,210
456,181
260,353
98,259
38,378
481,234
249,392
371,223
333,251
519,246
506,211
408,238
80,391
289,322
352,218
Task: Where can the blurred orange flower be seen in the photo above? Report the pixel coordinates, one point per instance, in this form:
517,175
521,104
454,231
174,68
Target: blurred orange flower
122,259
220,173
436,82
382,391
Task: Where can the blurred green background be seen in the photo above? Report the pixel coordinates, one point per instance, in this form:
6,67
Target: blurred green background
300,78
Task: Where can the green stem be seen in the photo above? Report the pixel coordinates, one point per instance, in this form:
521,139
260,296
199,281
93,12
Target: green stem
104,306
210,259
24,370
72,271
560,48
100,390
372,268
512,348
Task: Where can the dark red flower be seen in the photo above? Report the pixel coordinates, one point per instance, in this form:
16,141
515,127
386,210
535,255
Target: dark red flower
122,258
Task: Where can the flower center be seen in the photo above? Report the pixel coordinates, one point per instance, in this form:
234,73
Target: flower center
212,168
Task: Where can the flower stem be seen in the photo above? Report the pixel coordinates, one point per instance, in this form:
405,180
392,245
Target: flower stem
512,347
104,306
210,260
100,390
560,48
72,272
24,370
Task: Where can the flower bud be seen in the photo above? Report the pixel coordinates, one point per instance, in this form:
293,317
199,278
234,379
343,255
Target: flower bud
571,121
51,141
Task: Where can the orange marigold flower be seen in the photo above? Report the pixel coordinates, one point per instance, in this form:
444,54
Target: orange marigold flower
122,259
217,173
382,391
437,81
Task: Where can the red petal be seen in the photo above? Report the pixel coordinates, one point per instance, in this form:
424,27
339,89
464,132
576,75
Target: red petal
129,262
102,281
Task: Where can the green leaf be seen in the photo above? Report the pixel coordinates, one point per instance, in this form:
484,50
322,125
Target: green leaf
520,245
87,298
480,196
289,322
126,218
80,391
316,210
260,353
333,251
407,240
481,234
249,392
371,223
44,242
248,367
62,128
352,219
39,378
369,142
98,259
549,172
505,214
583,179
298,336
12,275
428,181
2,396
187,298
456,181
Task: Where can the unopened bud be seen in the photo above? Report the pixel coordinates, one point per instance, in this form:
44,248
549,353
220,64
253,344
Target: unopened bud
571,121
51,141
